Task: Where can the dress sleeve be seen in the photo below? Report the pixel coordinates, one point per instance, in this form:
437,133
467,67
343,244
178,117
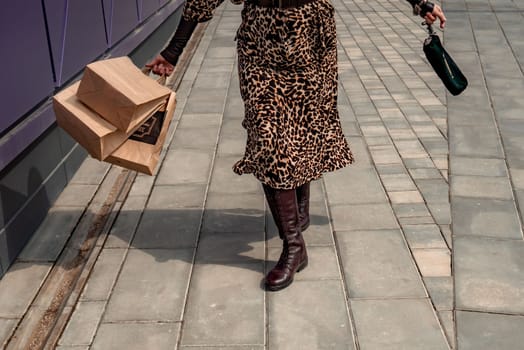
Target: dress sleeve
200,10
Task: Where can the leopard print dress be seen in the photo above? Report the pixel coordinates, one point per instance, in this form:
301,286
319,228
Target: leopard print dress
287,60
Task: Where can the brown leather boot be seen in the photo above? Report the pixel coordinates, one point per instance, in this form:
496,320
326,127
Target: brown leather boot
303,206
270,197
283,204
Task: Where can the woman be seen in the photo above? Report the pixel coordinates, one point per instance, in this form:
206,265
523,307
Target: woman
287,59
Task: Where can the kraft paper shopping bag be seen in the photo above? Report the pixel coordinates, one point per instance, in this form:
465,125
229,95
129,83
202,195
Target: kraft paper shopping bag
85,126
141,152
118,90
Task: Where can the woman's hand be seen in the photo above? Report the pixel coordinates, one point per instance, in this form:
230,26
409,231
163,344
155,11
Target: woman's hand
436,13
160,66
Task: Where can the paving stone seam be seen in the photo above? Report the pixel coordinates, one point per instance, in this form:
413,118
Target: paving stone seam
217,18
143,322
496,120
452,155
497,126
345,289
489,238
489,312
515,55
75,299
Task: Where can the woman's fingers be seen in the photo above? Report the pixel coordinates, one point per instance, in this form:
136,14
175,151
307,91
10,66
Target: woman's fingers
437,13
429,18
160,66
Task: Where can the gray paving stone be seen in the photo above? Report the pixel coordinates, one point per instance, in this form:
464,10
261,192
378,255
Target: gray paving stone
154,282
224,180
225,305
136,336
475,140
233,127
76,195
19,286
405,197
447,322
481,187
234,213
316,190
493,283
434,191
363,217
425,173
7,326
352,186
231,145
397,182
517,178
486,217
142,185
322,265
195,138
410,210
377,264
224,347
124,228
82,326
385,155
478,166
49,240
391,169
222,247
482,331
378,141
216,65
182,166
433,262
435,145
416,220
91,172
205,101
200,121
424,236
73,347
397,324
418,163
441,212
440,290
359,148
318,314
168,228
217,80
171,197
102,279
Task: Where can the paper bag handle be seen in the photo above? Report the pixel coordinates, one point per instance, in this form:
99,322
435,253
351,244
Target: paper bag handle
161,80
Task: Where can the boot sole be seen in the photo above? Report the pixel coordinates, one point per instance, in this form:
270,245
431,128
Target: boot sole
304,226
276,288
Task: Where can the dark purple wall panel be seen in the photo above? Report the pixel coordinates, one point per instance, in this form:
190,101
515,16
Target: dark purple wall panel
121,18
147,8
77,34
26,77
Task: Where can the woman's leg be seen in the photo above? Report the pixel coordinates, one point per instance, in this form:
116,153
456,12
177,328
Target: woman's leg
284,207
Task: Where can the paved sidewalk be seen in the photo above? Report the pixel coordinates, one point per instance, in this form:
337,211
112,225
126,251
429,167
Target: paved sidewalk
419,245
